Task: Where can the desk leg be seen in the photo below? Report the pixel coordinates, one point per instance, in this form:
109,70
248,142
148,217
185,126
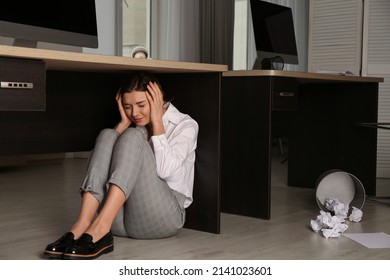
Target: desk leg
199,96
246,143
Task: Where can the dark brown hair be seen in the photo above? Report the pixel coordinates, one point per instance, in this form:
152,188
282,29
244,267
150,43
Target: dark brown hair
138,82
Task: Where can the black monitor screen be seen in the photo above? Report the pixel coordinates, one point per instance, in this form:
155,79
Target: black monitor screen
43,20
274,30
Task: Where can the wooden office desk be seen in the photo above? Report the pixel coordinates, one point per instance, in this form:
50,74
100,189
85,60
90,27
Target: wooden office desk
320,115
78,93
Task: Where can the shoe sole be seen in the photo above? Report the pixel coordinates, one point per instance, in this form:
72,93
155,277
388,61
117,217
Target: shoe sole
105,250
54,255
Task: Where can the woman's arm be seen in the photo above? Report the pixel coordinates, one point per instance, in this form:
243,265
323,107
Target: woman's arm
156,102
172,154
173,151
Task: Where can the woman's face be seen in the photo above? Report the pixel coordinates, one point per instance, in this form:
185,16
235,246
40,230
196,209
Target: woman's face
137,107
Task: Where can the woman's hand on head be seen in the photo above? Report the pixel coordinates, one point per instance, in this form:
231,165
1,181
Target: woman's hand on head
125,120
156,102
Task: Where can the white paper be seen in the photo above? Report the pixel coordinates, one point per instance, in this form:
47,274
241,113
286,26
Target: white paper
336,72
339,208
333,225
328,225
356,215
371,240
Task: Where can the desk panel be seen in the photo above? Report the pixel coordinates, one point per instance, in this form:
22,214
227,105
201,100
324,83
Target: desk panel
245,146
327,134
78,106
199,96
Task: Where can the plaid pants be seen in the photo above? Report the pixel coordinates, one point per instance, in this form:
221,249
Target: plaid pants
152,209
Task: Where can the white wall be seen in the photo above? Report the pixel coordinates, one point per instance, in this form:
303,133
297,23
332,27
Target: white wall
107,32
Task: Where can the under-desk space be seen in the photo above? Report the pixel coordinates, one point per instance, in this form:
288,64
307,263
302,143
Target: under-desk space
320,114
80,101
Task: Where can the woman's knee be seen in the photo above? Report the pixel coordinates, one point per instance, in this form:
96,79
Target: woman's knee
132,133
108,133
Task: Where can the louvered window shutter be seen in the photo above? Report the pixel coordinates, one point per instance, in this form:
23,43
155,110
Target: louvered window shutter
376,62
335,35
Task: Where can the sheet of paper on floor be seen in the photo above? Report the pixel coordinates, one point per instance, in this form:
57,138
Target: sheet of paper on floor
371,240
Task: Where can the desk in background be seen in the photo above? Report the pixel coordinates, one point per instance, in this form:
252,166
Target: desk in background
320,113
74,98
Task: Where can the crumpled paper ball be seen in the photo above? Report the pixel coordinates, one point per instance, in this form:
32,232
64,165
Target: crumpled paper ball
339,208
356,215
336,231
331,226
328,225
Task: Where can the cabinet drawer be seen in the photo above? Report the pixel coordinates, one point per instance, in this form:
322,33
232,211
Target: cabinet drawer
23,85
284,94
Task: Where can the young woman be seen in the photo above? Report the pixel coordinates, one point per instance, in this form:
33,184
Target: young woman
140,175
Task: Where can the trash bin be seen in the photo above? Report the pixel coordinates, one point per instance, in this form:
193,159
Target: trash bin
341,185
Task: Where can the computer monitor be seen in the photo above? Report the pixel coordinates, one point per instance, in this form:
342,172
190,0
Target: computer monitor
274,35
69,22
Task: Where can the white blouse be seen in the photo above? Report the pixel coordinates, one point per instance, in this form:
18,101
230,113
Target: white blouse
175,151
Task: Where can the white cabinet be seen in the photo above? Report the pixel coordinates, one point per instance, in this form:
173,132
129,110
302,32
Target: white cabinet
376,62
352,35
335,35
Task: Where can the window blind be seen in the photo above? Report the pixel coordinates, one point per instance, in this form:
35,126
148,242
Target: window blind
335,35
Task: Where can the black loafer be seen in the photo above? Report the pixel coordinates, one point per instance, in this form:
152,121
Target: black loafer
56,249
85,249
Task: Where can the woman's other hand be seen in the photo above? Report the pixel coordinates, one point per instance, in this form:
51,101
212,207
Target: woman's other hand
125,120
157,110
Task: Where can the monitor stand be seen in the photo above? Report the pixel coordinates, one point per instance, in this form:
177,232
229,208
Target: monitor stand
269,63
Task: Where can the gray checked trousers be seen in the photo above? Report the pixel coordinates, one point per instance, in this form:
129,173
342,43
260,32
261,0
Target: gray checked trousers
152,209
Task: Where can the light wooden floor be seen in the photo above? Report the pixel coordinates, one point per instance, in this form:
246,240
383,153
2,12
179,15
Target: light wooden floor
39,203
